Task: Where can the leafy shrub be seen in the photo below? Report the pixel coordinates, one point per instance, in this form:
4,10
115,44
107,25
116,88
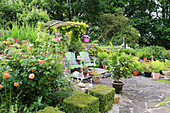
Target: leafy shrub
105,95
34,72
127,51
158,66
21,32
158,53
102,55
36,15
81,103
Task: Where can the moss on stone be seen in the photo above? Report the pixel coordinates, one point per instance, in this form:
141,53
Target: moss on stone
50,110
105,95
81,103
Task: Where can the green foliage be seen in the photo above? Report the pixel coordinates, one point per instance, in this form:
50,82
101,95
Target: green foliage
36,15
81,103
21,32
34,68
76,47
105,61
158,53
50,110
127,51
120,65
102,55
165,81
146,66
158,66
167,100
118,26
105,95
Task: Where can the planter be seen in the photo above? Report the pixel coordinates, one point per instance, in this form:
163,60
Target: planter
147,74
155,75
135,73
96,79
118,85
86,39
85,74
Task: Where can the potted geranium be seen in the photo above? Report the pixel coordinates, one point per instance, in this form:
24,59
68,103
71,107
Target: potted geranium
96,77
120,65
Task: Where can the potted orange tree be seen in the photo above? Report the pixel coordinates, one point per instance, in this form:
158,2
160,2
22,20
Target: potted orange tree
120,65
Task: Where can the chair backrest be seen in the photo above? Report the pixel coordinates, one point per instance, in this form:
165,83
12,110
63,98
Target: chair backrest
71,57
85,56
68,55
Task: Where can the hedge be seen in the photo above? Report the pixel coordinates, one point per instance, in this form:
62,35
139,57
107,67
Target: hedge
50,110
81,103
105,95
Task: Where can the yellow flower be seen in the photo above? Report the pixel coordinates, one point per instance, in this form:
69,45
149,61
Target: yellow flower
126,68
132,65
121,68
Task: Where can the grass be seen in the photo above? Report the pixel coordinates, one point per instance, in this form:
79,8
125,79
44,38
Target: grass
165,81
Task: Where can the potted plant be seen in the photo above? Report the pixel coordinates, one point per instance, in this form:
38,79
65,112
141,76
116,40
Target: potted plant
157,66
96,77
147,68
86,38
105,63
120,65
85,71
136,68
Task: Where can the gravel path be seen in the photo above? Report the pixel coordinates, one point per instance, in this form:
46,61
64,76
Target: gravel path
140,95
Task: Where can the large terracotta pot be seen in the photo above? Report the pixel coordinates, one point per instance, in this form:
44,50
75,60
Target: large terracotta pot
135,73
118,85
96,79
85,74
155,75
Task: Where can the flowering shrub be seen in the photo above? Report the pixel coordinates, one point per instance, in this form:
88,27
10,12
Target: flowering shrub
120,65
29,73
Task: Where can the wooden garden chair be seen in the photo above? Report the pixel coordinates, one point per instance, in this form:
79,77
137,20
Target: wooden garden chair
87,62
70,58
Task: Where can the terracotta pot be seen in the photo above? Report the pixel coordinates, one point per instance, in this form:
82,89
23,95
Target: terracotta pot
118,85
85,74
135,73
155,75
86,39
96,80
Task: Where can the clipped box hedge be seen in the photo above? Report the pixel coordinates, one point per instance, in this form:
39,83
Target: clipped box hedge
81,103
106,96
50,109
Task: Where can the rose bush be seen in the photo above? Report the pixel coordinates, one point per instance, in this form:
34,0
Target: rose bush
29,73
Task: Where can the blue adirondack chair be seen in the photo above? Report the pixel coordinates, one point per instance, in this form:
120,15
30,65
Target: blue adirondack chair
87,62
70,58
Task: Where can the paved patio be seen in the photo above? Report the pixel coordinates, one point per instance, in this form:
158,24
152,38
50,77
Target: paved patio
140,95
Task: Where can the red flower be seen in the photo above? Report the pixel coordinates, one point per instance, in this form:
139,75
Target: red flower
41,54
16,84
6,75
1,86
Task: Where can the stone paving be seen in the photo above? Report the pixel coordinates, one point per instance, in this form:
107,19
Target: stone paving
140,95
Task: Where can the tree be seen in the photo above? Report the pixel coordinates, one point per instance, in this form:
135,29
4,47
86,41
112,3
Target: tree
118,26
